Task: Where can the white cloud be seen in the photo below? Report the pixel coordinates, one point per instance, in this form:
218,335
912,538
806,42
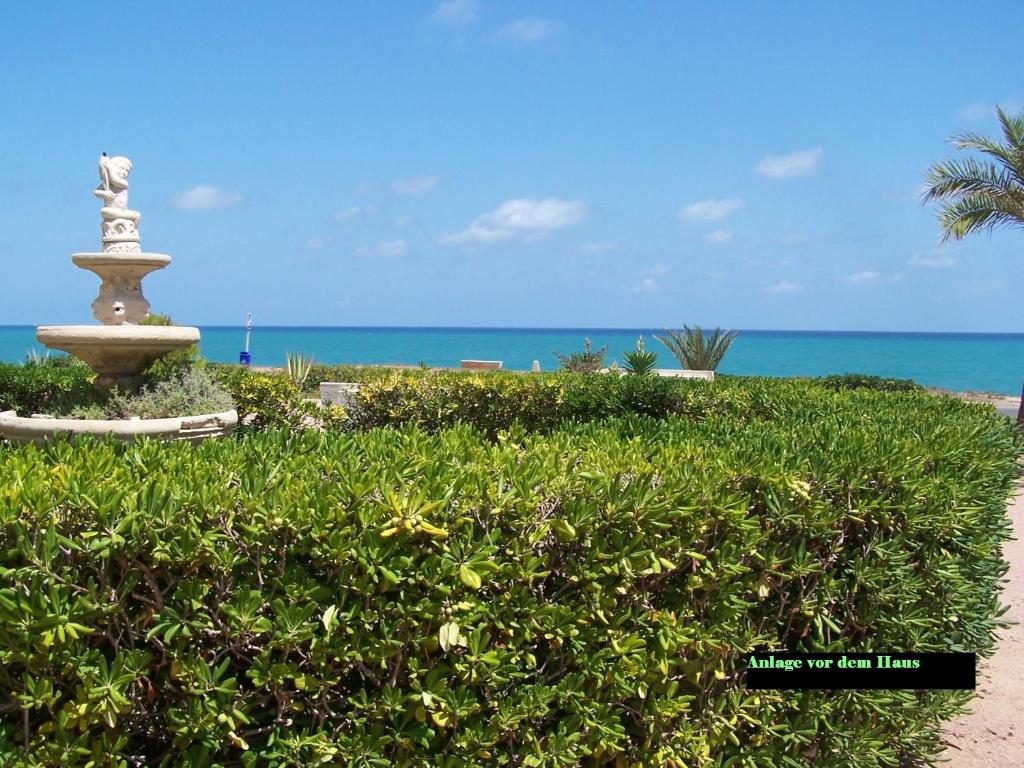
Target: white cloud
718,237
530,30
384,248
975,112
647,285
416,186
520,218
353,211
980,111
455,13
795,239
933,260
316,242
205,197
594,248
986,286
863,277
404,221
711,210
803,162
657,269
784,286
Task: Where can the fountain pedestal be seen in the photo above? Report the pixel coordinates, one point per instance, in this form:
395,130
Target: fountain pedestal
120,300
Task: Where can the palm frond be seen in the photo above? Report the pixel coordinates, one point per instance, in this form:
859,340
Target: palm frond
978,195
968,176
1006,155
1012,127
975,213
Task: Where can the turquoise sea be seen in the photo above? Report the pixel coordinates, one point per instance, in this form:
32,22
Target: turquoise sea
957,361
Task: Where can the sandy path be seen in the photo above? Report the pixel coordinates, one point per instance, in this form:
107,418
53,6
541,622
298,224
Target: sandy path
993,733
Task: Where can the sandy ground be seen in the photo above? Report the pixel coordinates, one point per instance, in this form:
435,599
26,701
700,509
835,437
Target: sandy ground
993,733
1005,404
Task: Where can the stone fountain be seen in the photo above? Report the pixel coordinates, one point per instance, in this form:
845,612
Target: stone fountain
119,349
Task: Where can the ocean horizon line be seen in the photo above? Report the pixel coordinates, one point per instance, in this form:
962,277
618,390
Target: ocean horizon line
568,329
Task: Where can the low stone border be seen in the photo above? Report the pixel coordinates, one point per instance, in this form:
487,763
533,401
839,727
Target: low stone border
36,429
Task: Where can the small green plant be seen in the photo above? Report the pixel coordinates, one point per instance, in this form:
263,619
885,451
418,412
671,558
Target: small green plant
35,357
169,366
696,350
639,361
298,366
587,361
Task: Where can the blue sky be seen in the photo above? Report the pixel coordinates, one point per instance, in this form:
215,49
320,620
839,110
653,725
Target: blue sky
475,163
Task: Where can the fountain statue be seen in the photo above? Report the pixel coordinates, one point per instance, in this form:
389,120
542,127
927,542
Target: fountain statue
119,349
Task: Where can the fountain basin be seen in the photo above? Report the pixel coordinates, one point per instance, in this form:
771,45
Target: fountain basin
116,352
37,429
140,264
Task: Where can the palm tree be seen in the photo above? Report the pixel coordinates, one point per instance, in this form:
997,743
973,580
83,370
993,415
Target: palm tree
696,350
982,194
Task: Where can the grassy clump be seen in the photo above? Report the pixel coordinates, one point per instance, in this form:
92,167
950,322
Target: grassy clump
577,598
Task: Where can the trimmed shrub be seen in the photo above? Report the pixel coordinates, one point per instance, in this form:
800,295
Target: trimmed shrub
495,401
581,598
265,400
54,385
864,381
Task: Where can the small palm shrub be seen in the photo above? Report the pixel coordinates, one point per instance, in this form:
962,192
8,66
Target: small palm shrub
298,367
639,361
587,361
695,350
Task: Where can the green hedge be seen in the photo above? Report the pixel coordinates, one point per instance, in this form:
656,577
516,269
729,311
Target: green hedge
571,599
496,401
864,381
52,386
272,400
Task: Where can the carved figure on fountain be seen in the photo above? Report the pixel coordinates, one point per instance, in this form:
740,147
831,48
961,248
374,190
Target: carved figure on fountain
119,226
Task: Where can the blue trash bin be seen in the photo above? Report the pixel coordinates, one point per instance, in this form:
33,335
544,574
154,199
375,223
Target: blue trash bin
244,358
